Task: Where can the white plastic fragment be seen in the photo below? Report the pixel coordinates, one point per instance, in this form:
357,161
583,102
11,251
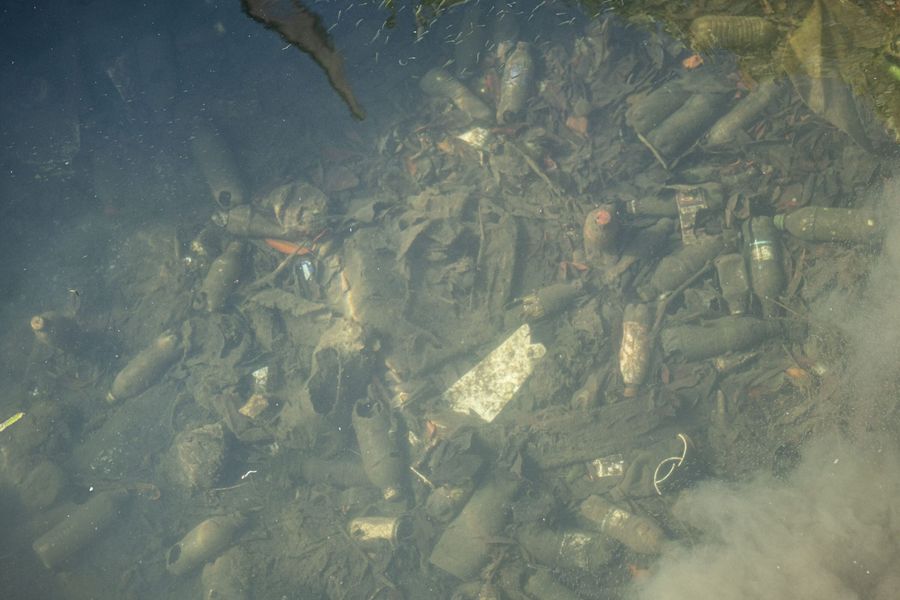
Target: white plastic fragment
477,137
493,382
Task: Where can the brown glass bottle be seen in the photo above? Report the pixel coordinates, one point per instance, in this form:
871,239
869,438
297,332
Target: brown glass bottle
634,352
601,236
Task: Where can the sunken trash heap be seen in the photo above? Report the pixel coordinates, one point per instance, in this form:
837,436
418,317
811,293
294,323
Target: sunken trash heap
573,282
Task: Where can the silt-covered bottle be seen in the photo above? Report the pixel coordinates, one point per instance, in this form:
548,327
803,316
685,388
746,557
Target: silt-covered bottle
822,224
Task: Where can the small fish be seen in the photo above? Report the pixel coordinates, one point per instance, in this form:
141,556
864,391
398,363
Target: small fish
286,247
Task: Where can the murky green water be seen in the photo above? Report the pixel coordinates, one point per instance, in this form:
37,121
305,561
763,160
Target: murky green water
451,300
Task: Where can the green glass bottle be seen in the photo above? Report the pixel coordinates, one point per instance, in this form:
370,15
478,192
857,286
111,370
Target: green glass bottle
821,224
767,277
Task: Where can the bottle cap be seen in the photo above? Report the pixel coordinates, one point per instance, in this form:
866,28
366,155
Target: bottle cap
602,216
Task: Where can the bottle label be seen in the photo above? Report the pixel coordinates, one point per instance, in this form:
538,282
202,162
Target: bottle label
761,251
614,520
689,204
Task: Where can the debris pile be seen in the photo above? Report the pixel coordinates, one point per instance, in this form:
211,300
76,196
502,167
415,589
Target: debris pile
575,280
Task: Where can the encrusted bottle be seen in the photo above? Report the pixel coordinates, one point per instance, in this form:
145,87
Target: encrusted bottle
767,276
727,334
601,236
515,87
440,83
733,281
681,265
634,353
639,533
58,331
821,224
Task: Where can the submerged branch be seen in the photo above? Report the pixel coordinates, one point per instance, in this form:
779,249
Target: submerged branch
303,29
